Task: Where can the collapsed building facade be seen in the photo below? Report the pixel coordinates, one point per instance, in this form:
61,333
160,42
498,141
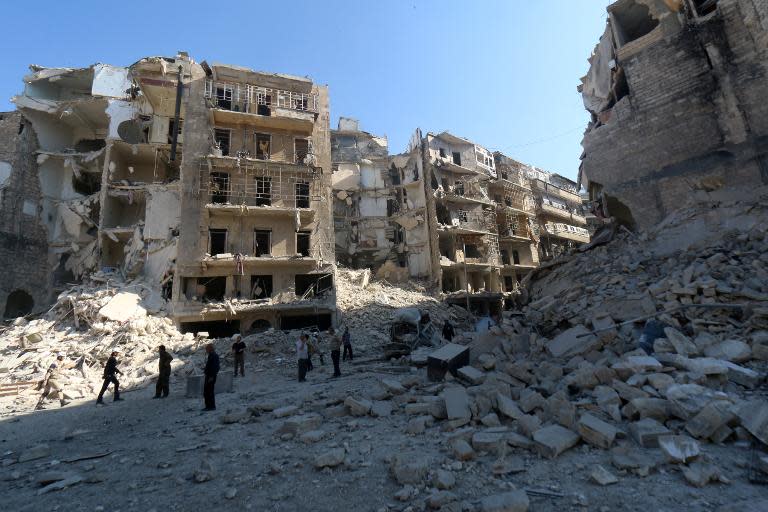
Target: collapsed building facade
206,181
676,90
448,210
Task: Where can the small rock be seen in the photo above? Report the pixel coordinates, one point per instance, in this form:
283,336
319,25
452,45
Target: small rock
288,410
410,468
358,407
462,450
205,472
36,452
553,440
443,479
513,501
602,476
330,459
230,493
679,448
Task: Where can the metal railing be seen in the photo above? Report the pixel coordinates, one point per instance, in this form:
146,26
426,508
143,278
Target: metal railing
557,228
287,186
253,99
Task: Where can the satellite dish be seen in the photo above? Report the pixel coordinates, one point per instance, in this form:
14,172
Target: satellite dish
130,132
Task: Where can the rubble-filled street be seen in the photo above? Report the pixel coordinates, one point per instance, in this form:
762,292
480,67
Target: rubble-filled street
669,415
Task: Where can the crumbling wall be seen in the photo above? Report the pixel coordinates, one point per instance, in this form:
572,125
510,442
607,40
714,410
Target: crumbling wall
690,122
23,243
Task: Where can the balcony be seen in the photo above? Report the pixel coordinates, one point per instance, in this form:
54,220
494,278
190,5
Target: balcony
243,186
567,232
562,214
261,107
569,195
467,222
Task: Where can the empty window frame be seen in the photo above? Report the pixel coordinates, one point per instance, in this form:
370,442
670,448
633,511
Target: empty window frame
516,257
171,125
261,287
442,153
263,191
301,148
223,136
224,94
217,241
219,186
263,145
262,242
462,215
312,284
263,103
484,158
214,287
302,194
458,188
303,239
456,157
704,7
509,283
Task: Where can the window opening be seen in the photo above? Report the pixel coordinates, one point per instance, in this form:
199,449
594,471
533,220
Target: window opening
262,242
217,241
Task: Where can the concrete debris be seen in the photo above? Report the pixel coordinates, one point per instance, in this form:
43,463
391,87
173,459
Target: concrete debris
553,440
513,501
410,468
602,476
679,449
330,459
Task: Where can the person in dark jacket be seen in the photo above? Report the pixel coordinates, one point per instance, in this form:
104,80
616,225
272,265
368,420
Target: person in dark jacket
238,348
211,371
448,331
335,344
347,341
110,376
164,377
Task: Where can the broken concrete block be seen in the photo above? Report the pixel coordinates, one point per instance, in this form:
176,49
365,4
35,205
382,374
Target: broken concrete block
637,461
282,412
442,500
518,441
471,375
560,410
647,431
607,327
123,307
597,432
313,436
656,408
457,403
443,479
627,392
508,407
462,450
602,476
735,351
686,400
393,387
679,449
573,342
742,376
553,440
660,381
448,358
531,400
330,459
681,343
418,425
636,364
299,424
487,361
410,468
488,442
712,417
699,474
608,400
381,408
358,407
754,418
490,420
513,501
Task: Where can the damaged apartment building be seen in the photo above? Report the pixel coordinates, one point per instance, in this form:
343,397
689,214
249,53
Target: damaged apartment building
380,206
206,181
677,92
449,210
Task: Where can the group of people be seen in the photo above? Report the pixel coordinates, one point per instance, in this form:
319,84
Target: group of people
306,348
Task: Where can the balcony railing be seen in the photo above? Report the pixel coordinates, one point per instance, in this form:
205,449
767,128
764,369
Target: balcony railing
286,186
470,220
567,231
252,99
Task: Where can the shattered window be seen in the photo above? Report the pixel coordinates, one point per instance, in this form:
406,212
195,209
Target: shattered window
263,142
222,138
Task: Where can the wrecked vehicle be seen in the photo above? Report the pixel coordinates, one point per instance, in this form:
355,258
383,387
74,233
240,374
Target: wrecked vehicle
411,328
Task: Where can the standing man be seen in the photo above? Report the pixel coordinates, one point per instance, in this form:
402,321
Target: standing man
164,378
211,371
335,345
238,348
302,354
448,332
346,339
54,381
110,377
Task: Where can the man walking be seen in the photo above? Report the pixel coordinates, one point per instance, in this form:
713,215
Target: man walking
164,377
302,354
346,339
110,377
54,381
211,371
238,348
335,345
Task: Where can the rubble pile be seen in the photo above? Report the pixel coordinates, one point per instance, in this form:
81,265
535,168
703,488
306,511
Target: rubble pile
85,325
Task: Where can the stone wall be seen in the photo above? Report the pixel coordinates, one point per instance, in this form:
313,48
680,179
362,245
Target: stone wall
695,122
23,245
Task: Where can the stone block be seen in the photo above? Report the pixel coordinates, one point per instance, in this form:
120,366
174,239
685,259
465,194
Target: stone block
508,407
513,501
573,342
647,431
410,468
462,450
288,410
488,442
358,406
754,418
596,431
656,408
735,351
531,400
602,476
443,479
471,374
553,440
712,417
393,386
381,408
330,459
300,424
457,403
679,449
448,358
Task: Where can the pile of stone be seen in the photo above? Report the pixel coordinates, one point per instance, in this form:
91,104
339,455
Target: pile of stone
85,325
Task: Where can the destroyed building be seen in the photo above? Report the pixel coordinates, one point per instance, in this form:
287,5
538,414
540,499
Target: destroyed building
115,157
561,219
256,244
676,90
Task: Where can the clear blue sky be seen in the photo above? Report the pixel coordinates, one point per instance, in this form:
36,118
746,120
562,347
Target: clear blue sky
502,73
